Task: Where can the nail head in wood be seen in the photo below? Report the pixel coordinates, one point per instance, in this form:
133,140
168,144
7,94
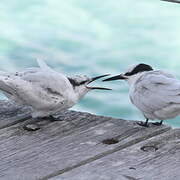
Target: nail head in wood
150,148
110,141
31,127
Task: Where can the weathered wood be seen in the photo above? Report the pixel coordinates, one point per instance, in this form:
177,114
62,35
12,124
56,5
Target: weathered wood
58,147
155,159
83,146
11,114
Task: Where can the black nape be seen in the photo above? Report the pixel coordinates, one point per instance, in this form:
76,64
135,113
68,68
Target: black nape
75,83
139,68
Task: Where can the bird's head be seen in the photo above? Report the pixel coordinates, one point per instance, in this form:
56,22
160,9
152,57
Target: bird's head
132,74
81,86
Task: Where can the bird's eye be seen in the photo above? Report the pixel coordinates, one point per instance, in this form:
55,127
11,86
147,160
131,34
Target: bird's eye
83,82
75,83
72,81
127,74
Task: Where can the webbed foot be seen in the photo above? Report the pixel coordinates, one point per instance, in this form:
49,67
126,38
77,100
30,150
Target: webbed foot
144,124
158,123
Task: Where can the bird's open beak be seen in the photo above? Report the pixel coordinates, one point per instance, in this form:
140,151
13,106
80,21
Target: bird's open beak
118,77
95,78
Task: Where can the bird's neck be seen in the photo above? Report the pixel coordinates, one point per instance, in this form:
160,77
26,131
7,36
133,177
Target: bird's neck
133,79
80,93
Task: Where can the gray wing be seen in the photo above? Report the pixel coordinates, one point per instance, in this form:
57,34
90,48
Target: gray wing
155,91
35,87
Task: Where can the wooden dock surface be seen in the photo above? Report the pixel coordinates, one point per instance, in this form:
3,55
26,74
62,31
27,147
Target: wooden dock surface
82,146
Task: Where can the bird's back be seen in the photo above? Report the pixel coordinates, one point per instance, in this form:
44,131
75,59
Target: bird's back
155,93
42,89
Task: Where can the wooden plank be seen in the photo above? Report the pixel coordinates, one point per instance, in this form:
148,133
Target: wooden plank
11,114
156,158
61,146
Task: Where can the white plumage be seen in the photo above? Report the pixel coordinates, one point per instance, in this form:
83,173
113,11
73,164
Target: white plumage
45,90
155,93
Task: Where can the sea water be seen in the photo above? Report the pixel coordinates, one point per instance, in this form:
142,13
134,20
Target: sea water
92,37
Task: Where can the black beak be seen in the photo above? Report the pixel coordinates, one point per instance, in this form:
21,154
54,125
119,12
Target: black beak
100,88
98,77
118,77
95,78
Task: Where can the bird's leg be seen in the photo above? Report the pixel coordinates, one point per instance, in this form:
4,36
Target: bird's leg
158,123
145,124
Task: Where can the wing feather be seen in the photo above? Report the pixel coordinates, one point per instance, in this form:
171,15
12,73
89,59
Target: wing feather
37,88
43,65
155,91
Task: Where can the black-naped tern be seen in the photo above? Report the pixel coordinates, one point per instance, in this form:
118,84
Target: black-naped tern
155,93
45,90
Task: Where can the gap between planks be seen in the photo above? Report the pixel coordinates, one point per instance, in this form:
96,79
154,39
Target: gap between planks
99,156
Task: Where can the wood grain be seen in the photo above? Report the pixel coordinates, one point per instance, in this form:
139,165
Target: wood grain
75,146
11,114
156,158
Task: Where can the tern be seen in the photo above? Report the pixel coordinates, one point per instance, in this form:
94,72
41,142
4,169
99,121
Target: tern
154,92
45,90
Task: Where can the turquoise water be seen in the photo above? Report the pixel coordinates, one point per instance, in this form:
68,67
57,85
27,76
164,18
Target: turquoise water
92,38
